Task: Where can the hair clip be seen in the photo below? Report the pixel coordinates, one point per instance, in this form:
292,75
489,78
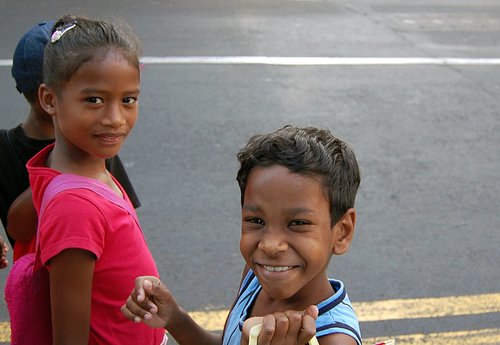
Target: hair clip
60,31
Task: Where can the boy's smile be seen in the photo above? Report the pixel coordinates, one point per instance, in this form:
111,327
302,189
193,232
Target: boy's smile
287,238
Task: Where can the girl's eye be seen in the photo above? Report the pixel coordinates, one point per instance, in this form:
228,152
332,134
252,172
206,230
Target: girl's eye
94,100
129,100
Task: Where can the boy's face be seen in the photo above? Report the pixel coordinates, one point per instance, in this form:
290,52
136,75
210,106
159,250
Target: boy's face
287,238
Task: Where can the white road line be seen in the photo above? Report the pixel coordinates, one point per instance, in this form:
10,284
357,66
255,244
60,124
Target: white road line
308,61
317,61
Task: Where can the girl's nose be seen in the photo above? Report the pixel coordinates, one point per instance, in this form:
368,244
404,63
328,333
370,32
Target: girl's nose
272,243
114,116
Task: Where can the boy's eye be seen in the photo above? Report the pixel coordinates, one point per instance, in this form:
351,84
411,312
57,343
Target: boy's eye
94,100
299,222
254,220
129,100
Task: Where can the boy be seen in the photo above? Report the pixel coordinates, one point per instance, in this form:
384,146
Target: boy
19,144
298,187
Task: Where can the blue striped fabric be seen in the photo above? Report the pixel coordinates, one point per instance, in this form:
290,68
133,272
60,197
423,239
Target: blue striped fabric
336,314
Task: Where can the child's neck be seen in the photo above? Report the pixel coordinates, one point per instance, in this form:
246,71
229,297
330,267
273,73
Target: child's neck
93,168
82,164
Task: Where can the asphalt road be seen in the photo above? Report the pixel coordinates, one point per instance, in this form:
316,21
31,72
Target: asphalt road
425,134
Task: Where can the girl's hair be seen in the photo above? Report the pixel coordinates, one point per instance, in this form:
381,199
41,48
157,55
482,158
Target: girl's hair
306,151
76,40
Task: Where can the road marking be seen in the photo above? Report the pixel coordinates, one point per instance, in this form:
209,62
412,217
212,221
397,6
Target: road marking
308,61
210,320
477,337
396,309
316,61
4,332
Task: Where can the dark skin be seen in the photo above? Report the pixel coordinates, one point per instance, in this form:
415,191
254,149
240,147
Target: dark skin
22,218
71,275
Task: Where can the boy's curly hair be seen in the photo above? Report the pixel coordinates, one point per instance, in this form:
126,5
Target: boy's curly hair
306,151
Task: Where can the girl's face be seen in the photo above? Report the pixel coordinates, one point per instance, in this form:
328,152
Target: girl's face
97,108
287,238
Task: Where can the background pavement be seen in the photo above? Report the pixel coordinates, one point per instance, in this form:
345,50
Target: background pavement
426,137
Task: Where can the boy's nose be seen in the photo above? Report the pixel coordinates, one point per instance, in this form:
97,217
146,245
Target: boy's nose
272,243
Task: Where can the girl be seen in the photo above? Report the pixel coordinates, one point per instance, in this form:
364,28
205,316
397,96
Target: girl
92,248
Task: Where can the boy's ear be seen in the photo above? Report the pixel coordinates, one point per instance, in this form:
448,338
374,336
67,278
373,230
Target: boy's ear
47,99
344,232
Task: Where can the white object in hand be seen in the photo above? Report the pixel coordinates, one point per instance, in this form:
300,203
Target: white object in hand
255,331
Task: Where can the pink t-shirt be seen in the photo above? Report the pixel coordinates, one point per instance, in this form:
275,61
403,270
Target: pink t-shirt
80,218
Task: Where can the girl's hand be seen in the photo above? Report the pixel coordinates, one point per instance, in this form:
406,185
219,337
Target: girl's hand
150,302
284,328
3,253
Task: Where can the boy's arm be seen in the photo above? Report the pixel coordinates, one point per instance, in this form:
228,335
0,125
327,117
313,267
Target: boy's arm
337,339
152,303
71,274
22,218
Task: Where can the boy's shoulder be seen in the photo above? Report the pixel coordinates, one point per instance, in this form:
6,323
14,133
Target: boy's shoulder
10,159
17,146
337,315
13,174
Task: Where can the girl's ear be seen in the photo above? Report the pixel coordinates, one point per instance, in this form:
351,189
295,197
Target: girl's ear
47,99
344,232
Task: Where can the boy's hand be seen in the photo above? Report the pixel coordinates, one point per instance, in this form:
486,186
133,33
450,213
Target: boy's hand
150,302
284,328
3,253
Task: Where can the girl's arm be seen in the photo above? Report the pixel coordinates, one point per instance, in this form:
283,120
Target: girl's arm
152,303
71,274
21,217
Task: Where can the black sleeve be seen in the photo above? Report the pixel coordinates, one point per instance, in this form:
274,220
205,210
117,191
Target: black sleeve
13,178
116,168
